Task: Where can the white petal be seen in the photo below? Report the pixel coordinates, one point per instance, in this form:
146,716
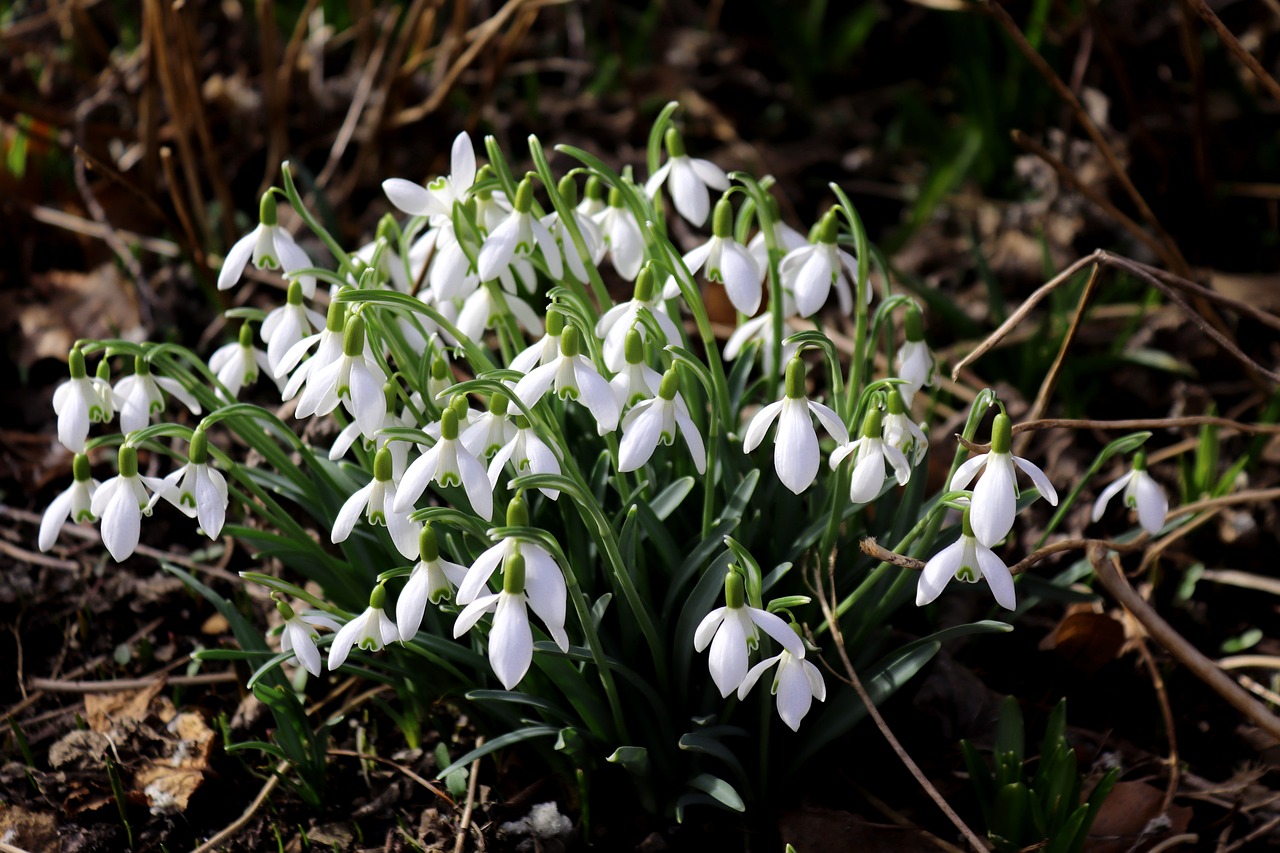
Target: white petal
795,456
693,439
480,572
346,637
304,649
641,436
1042,484
1153,506
938,572
1100,505
966,472
776,627
994,501
551,249
536,382
998,578
211,501
753,675
867,479
412,603
121,523
416,478
709,173
594,393
412,198
760,425
688,192
830,421
657,179
351,510
813,284
233,264
175,388
462,163
499,248
475,480
795,696
741,278
510,641
896,459
707,628
728,659
73,420
471,614
293,258
626,245
53,519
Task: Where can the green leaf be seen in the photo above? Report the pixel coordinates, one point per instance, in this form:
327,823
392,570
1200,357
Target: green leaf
708,745
1010,742
719,790
670,498
500,742
634,758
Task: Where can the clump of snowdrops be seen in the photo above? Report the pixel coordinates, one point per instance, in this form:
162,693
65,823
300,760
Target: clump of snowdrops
546,489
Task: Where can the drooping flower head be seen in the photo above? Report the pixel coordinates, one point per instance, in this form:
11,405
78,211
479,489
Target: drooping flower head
378,500
237,364
371,630
449,463
915,362
902,432
734,630
995,498
636,380
198,490
726,262
270,246
528,454
141,395
592,240
1141,493
618,322
795,457
687,179
80,401
517,237
621,234
966,559
796,683
74,503
288,324
437,199
121,502
810,271
573,377
433,579
299,635
871,453
657,420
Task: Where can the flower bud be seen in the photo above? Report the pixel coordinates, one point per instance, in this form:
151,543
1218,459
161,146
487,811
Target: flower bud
267,209
513,574
795,378
675,143
735,595
378,598
198,453
1001,434
428,544
722,219
75,363
382,465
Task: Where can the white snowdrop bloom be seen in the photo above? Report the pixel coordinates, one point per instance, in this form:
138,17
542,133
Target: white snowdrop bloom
785,238
810,271
450,273
1141,493
492,206
796,457
121,502
518,235
616,324
871,453
238,364
527,454
761,329
592,239
141,395
636,380
490,431
657,420
198,490
734,630
286,325
378,503
74,503
391,267
902,432
546,348
687,180
433,579
537,560
328,349
448,463
437,199
371,630
399,449
574,377
79,401
299,635
726,262
270,247
622,236
796,683
482,308
915,362
995,498
966,559
355,379
593,198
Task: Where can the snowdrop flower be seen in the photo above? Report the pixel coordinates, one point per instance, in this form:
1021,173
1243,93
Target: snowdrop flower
437,199
371,630
449,463
1141,492
482,309
871,454
237,364
592,239
378,501
517,236
80,401
656,420
795,457
528,454
734,630
785,238
902,432
490,431
810,271
198,490
616,325
399,449
761,329
622,236
450,274
141,395
74,503
328,349
593,198
966,559
995,498
299,636
727,262
796,684
574,378
546,348
121,502
915,362
286,326
390,267
636,380
688,178
491,206
433,579
355,379
271,247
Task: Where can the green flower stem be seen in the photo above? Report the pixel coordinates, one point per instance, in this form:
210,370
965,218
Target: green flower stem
858,362
476,357
760,202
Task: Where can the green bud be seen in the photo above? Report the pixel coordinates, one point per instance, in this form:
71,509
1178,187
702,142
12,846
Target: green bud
449,424
795,378
378,598
524,197
80,468
439,368
569,342
896,406
595,189
246,335
966,524
644,284
828,227
75,363
555,323
294,294
735,594
633,347
722,219
387,230
615,197
517,513
428,544
104,371
513,574
675,143
915,323
389,396
382,465
873,423
128,461
498,404
336,317
568,189
460,406
670,384
520,421
285,611
353,337
141,366
198,453
1140,460
1001,434
267,209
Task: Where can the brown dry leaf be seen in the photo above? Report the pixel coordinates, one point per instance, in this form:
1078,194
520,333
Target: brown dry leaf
169,782
1262,290
80,749
104,711
1126,814
215,625
1086,638
72,305
28,830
